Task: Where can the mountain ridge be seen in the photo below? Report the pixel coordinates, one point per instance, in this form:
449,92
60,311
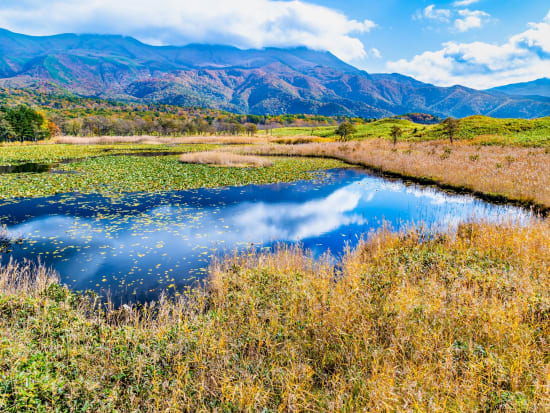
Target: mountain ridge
261,81
535,88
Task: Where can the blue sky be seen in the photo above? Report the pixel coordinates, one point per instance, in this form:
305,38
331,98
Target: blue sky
478,43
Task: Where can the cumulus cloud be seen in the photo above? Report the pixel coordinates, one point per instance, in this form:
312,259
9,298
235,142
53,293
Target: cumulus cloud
374,52
470,19
524,57
464,3
465,19
433,13
241,23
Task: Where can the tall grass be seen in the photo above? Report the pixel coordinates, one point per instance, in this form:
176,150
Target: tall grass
514,173
25,279
458,322
224,159
217,140
154,140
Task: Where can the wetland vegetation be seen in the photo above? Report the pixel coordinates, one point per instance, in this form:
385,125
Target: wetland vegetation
498,172
458,322
95,168
405,318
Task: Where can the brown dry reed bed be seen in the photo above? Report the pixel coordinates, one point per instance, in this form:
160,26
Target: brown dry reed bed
215,140
460,322
499,172
153,140
221,158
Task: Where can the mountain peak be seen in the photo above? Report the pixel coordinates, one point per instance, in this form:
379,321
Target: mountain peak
263,81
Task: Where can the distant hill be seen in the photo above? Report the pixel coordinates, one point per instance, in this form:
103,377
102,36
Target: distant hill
539,87
266,81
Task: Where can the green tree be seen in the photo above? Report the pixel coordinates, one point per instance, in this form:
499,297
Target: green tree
27,124
6,131
251,129
451,127
345,130
396,132
74,126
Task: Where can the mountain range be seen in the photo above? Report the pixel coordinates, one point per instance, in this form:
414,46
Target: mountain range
266,81
539,87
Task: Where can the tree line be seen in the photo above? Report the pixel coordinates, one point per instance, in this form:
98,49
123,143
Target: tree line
22,123
158,126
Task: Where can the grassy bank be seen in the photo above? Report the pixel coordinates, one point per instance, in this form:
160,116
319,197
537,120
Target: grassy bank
475,129
457,323
507,172
155,140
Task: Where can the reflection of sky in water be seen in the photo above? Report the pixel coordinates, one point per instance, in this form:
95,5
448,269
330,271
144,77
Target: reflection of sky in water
136,244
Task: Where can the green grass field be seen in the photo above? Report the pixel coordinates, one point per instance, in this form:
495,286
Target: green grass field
479,129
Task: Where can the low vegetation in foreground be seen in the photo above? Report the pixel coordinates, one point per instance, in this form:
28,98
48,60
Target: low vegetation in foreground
457,322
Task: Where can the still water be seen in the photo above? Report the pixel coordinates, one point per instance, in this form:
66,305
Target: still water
136,245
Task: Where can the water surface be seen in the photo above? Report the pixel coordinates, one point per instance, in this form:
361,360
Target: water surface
136,245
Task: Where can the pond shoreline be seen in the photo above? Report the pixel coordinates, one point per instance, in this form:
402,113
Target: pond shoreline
498,199
143,243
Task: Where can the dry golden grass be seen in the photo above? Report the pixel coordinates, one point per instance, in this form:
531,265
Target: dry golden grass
25,278
300,140
224,159
152,140
520,174
460,323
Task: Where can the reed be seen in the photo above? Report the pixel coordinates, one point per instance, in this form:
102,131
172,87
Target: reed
513,173
220,158
455,322
25,279
154,140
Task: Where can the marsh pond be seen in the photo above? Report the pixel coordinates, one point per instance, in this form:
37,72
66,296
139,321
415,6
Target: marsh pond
133,246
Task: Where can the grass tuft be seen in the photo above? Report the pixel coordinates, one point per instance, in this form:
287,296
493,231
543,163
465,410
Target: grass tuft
457,322
224,159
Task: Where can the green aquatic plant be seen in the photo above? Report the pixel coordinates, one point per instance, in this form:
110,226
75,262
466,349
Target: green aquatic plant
98,171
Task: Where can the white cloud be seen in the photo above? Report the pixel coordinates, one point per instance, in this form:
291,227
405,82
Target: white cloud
374,52
470,19
242,23
432,13
524,57
464,3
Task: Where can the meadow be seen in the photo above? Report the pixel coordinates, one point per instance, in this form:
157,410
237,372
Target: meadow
458,322
476,129
502,173
408,321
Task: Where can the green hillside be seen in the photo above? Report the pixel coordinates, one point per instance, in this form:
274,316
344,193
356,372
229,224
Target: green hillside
480,129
